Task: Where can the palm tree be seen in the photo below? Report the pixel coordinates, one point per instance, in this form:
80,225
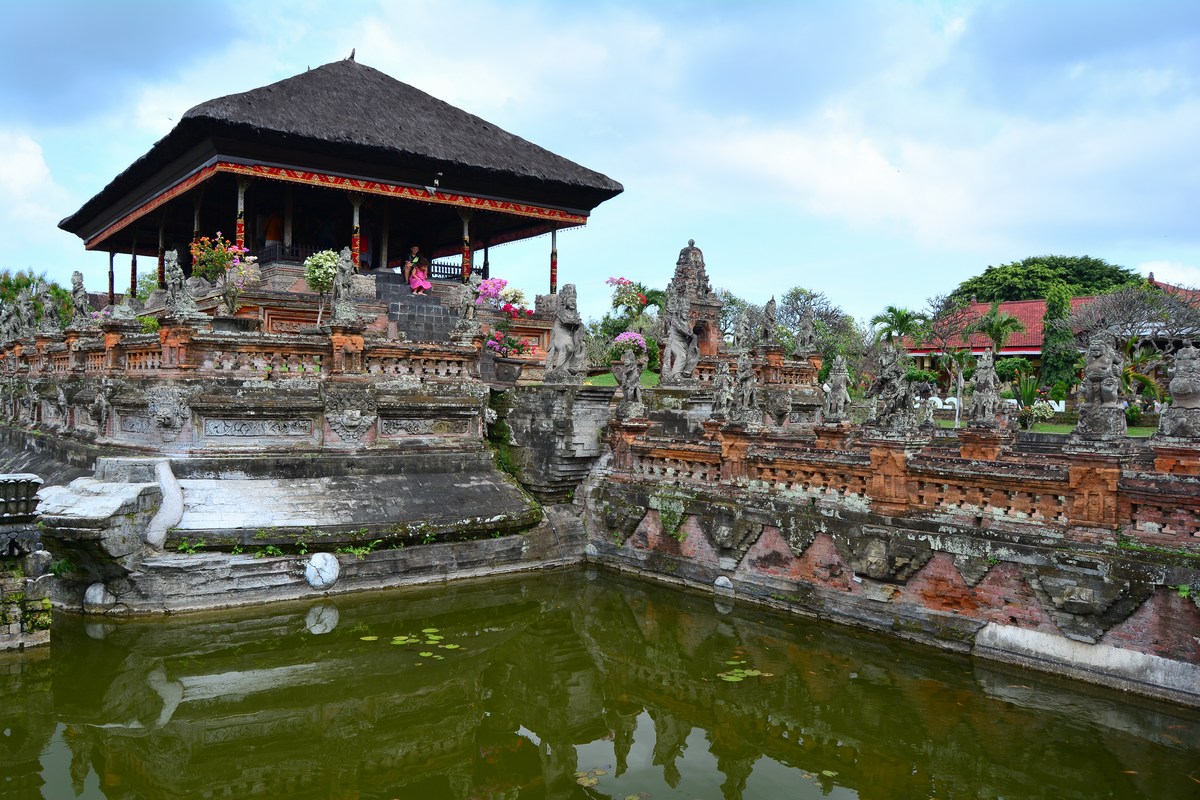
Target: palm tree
997,325
896,323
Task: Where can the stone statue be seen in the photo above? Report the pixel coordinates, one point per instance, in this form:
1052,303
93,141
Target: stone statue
722,392
1182,418
1100,414
628,372
468,296
82,314
8,322
892,400
986,396
180,302
26,314
343,289
769,323
682,351
741,332
50,322
745,394
566,357
837,392
806,337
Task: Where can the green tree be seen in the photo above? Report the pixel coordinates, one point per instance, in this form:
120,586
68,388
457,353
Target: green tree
1059,353
997,325
1033,277
898,323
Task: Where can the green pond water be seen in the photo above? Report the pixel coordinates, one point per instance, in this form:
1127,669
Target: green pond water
557,685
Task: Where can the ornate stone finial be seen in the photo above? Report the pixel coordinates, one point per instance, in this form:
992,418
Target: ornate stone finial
682,351
692,243
986,397
180,301
344,310
1100,414
1182,419
81,316
566,357
837,392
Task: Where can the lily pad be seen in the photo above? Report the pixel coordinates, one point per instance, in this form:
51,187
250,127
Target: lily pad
828,773
449,646
732,678
429,630
368,638
753,673
425,654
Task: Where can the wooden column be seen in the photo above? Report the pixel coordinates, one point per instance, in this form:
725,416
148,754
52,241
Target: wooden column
162,270
466,244
240,240
383,239
355,231
287,221
196,198
554,261
112,278
487,265
133,267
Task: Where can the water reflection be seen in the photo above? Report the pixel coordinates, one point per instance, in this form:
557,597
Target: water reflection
556,686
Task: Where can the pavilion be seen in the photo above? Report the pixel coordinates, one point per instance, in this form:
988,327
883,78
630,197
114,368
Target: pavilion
341,155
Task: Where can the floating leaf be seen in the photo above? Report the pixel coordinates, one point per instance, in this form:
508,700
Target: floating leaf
828,773
425,654
599,772
368,638
732,678
768,674
730,663
429,630
448,646
753,673
587,781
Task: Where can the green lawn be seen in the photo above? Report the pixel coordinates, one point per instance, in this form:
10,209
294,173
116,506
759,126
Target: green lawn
1066,427
608,379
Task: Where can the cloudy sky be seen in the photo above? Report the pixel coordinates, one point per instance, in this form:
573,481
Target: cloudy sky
879,152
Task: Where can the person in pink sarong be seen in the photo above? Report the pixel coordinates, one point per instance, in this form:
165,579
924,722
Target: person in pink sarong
416,269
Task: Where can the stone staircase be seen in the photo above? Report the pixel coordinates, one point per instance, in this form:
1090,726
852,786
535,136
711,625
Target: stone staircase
422,318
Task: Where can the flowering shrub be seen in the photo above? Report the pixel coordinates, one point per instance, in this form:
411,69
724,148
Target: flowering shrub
627,294
220,260
489,292
629,340
505,345
1040,411
211,258
513,296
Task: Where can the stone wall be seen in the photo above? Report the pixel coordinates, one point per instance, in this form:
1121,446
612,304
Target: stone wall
1081,563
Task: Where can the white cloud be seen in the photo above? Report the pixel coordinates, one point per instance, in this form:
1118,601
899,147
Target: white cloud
1174,272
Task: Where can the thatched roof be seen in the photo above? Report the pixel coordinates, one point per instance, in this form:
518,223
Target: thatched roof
351,112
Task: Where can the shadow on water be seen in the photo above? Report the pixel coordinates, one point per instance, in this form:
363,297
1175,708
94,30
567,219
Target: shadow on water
559,685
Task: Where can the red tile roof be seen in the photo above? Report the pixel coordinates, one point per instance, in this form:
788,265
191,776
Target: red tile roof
1029,312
